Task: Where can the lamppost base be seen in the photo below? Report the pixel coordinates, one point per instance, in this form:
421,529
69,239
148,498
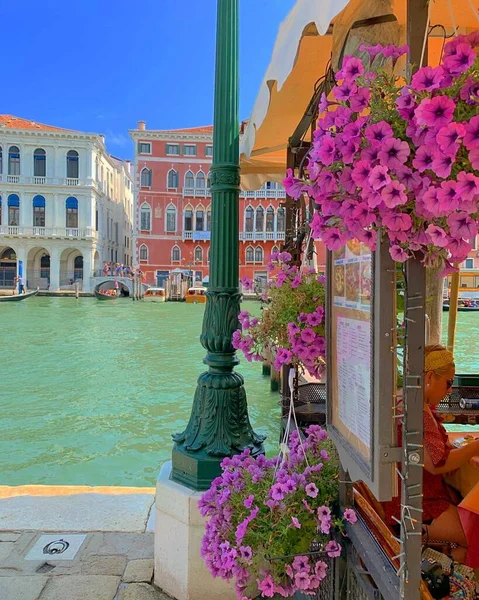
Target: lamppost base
194,472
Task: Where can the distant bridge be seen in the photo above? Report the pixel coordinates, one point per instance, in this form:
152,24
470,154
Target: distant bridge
126,281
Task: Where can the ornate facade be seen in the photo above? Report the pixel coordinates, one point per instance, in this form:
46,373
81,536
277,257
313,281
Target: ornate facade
173,207
66,205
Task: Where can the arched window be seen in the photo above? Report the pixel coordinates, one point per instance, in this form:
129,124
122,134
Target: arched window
270,219
14,160
200,220
0,210
249,218
175,254
144,252
189,180
172,179
39,211
72,212
39,163
249,254
259,218
280,220
274,250
198,254
13,210
258,254
171,218
145,178
200,180
188,226
72,164
145,217
78,268
208,220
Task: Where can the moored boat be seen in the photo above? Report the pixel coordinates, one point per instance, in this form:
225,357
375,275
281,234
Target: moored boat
446,307
17,297
196,295
155,294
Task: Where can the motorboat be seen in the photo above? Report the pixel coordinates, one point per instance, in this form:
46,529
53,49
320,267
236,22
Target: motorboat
155,294
196,295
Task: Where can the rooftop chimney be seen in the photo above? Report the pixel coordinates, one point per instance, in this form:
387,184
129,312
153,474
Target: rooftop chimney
141,125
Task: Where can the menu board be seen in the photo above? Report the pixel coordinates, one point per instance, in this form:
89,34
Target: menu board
351,346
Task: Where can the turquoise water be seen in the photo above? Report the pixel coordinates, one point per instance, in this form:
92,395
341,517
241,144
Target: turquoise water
91,392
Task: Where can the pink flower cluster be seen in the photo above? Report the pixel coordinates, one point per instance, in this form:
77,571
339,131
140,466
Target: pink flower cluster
304,342
412,175
251,506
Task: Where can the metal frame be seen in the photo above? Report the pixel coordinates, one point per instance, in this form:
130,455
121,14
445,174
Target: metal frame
378,474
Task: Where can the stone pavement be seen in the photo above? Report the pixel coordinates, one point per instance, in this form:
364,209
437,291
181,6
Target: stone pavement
67,543
107,566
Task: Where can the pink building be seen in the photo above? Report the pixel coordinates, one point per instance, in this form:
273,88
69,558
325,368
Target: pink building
173,207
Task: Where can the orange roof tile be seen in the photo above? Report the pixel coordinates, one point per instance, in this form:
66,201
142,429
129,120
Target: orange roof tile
11,122
200,130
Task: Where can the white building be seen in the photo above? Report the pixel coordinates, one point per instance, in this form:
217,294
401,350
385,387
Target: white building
66,205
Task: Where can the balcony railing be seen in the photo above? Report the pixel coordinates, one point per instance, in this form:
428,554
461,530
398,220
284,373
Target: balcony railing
244,236
263,194
49,232
196,192
261,236
189,192
37,180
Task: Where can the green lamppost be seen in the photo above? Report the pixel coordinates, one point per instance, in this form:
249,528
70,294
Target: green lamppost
219,425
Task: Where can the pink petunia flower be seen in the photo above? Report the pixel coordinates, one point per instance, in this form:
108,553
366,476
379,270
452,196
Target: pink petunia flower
460,61
293,185
333,549
397,221
462,226
459,249
311,490
435,112
350,516
326,152
447,196
379,177
295,523
266,586
393,194
423,159
352,68
302,580
320,569
361,172
379,132
334,238
471,139
467,186
398,254
360,100
343,92
474,158
301,564
427,79
449,136
442,164
437,236
394,153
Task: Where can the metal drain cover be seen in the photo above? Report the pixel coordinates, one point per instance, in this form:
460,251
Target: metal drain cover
60,546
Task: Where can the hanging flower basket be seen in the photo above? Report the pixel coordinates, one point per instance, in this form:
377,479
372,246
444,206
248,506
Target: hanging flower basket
399,159
292,324
271,523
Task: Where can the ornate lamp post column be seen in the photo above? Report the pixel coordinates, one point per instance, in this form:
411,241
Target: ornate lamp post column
219,425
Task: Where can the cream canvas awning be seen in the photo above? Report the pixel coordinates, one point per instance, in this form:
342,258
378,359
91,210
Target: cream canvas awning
301,54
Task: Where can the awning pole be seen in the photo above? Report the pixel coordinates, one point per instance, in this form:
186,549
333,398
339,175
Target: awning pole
453,301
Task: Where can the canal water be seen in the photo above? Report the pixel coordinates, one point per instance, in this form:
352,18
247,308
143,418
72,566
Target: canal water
91,392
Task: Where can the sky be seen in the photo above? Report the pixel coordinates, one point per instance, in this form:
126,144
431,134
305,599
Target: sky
102,65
